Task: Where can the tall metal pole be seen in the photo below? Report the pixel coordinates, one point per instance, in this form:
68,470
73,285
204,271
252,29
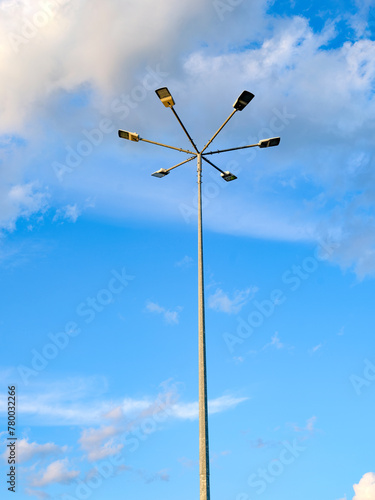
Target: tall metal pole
242,101
204,465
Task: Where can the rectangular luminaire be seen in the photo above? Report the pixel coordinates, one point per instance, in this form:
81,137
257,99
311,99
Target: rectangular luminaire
227,176
243,100
268,143
165,97
130,136
160,173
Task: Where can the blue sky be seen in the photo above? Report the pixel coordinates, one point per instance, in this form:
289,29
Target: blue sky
98,260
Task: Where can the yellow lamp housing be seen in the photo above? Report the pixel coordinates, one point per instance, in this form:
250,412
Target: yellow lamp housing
130,136
165,97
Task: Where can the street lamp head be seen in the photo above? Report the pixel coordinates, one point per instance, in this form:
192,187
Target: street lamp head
130,136
227,176
268,143
165,97
243,100
160,173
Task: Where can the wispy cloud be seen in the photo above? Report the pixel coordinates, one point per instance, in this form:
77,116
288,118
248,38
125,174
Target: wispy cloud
190,411
275,342
114,414
216,456
309,427
69,213
188,463
99,443
21,201
261,443
42,495
56,404
185,262
316,348
162,475
221,301
76,401
170,317
28,451
56,472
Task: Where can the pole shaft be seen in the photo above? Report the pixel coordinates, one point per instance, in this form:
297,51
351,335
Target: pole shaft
204,466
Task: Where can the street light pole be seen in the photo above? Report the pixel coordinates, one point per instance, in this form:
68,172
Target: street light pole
242,101
204,464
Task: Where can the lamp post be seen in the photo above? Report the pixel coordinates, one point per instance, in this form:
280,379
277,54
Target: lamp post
168,101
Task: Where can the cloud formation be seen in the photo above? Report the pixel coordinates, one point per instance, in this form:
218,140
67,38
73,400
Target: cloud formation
21,200
317,185
221,301
170,317
365,489
28,451
275,342
56,472
69,213
79,402
99,443
190,411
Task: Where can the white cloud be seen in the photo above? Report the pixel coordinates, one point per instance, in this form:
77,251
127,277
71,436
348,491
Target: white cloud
220,301
56,404
275,342
170,317
27,451
21,201
56,472
67,402
292,62
71,48
162,475
310,424
114,414
321,191
224,403
42,495
365,489
316,348
100,443
309,427
190,411
69,213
